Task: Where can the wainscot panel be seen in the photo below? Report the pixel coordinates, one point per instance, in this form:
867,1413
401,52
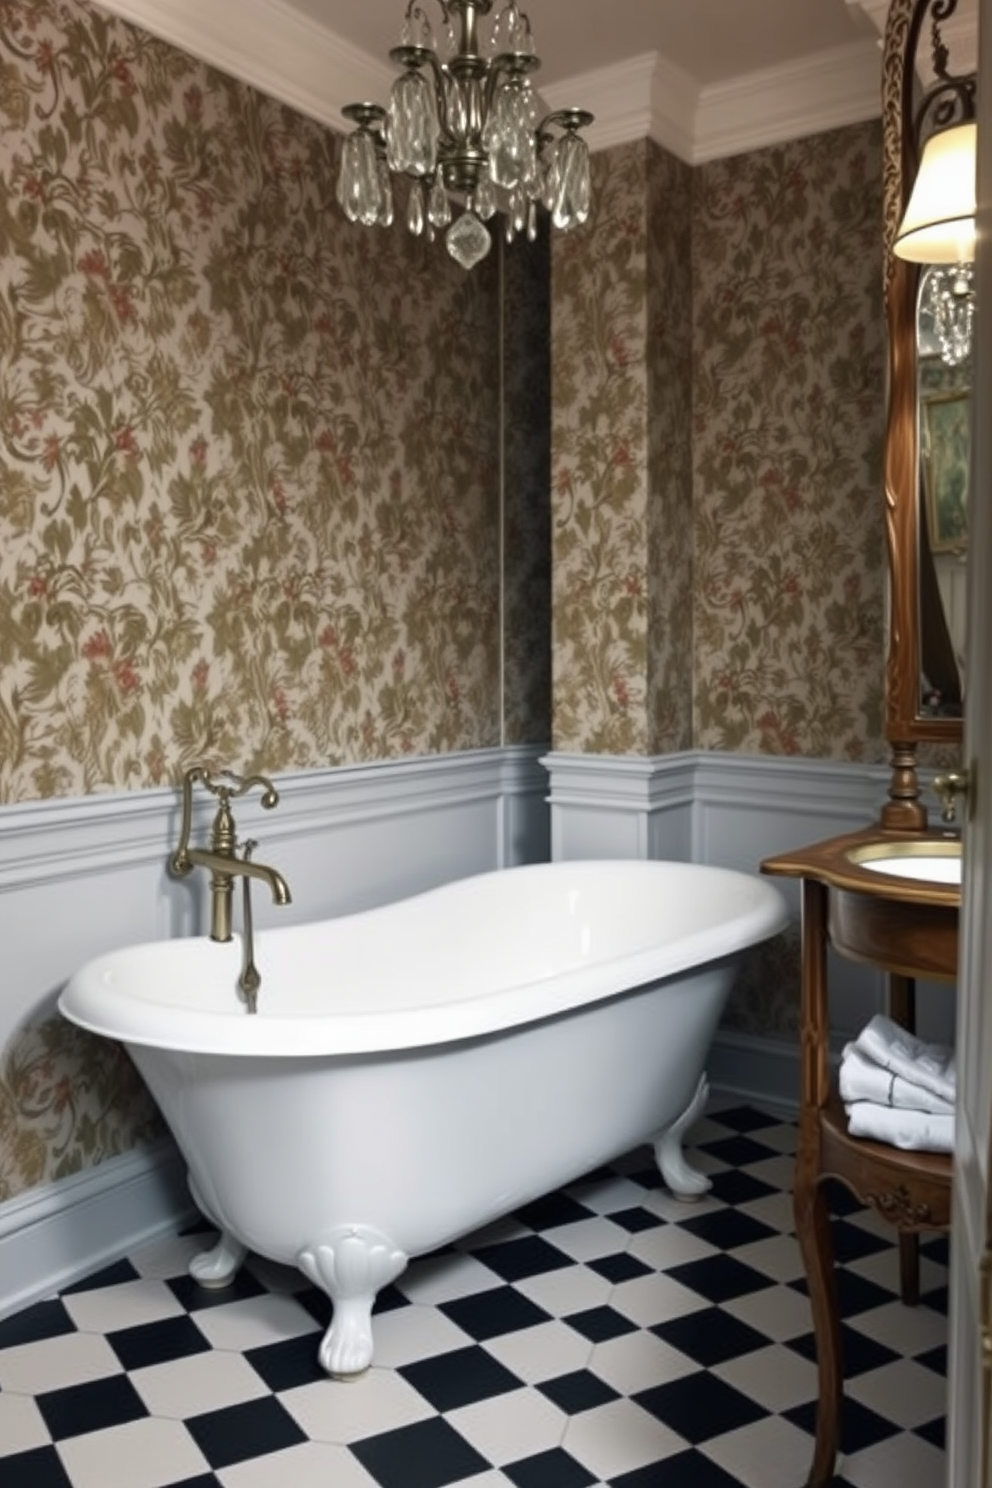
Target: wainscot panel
735,810
80,877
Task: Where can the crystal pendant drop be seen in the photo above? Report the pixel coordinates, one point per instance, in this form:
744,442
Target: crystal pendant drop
467,240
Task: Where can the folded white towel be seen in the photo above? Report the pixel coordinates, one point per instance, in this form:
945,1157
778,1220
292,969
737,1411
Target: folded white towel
901,1053
861,1079
917,1131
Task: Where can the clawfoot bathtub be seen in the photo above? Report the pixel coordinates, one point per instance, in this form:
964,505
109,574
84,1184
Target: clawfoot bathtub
416,1071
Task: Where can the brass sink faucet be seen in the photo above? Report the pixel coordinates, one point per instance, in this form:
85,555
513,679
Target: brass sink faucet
223,863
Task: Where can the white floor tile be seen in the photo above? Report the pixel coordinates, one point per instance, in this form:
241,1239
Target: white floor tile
779,1312
169,1257
767,1454
572,1289
776,1378
142,1454
445,1277
127,1305
310,1465
778,1257
666,1206
904,1392
541,1353
903,1461
908,1330
638,1361
406,1334
210,1381
345,1411
589,1239
21,1425
617,1438
56,1363
669,1246
773,1209
654,1299
607,1195
508,1427
252,1322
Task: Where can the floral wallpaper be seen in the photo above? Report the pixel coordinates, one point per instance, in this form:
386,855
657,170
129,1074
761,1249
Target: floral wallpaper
249,476
600,455
67,1101
250,466
788,426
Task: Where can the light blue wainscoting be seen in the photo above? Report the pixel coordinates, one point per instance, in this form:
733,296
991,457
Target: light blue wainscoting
80,877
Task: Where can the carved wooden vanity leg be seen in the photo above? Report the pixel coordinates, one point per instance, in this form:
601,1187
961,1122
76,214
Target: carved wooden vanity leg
809,1200
815,1241
902,1010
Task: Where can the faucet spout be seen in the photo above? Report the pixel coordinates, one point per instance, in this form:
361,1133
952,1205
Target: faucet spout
218,864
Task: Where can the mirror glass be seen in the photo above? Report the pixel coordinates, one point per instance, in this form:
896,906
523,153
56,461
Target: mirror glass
944,324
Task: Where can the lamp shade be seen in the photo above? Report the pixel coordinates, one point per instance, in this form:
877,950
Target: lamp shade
939,224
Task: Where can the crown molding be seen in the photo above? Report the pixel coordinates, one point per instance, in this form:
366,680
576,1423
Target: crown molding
632,100
270,45
825,91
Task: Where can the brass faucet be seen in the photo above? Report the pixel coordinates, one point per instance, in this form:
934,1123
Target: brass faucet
223,863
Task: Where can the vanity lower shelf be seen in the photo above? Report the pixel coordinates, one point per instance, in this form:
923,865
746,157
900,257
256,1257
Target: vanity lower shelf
911,1190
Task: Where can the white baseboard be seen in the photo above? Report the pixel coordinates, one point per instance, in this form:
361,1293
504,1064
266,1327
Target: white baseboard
749,1068
56,1234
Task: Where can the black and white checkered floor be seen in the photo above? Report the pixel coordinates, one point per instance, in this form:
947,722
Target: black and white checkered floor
604,1335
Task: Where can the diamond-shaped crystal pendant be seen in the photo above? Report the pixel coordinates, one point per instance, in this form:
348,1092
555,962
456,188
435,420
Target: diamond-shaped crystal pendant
467,240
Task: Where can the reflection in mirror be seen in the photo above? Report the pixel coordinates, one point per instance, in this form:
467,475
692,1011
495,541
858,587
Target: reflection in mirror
928,134
945,315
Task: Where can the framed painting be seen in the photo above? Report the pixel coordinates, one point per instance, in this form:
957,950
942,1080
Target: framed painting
946,444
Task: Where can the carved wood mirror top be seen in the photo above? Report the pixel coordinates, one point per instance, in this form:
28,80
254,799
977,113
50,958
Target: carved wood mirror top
908,722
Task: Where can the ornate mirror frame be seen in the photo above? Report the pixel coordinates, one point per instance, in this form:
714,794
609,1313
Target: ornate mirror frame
905,726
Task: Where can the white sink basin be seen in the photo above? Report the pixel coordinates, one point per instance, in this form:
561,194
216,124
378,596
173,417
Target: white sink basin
923,861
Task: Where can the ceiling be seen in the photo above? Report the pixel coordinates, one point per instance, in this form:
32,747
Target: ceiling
704,78
709,40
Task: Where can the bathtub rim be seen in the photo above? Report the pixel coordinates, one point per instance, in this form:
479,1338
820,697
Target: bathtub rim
110,1012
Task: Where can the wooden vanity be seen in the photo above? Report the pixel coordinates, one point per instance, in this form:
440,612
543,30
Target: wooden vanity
908,927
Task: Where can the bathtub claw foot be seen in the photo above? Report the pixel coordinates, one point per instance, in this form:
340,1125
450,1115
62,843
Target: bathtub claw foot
685,1181
216,1267
351,1266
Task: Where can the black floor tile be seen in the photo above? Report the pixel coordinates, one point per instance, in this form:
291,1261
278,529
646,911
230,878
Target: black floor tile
737,1152
528,1256
550,1212
935,1432
92,1406
690,1469
738,1186
42,1320
239,1432
491,1313
113,1275
718,1278
745,1119
636,1220
459,1377
157,1343
710,1336
428,1454
699,1406
600,1323
859,1352
554,1469
196,1298
859,1427
728,1229
580,1391
287,1364
40,1468
622,1267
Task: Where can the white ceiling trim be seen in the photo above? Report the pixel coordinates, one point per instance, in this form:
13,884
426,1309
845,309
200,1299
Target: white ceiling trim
825,91
270,45
286,55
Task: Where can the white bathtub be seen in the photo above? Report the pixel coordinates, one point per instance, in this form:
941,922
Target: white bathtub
418,1070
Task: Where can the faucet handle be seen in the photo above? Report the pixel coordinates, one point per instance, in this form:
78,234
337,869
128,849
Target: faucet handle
225,785
947,788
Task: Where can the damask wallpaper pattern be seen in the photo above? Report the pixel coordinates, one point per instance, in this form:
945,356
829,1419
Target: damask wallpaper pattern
788,424
249,455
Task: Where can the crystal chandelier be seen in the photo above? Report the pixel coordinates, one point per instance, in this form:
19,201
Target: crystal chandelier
465,125
947,306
